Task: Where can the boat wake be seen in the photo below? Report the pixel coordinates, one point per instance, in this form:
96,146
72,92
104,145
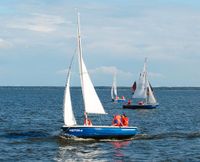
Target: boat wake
42,136
24,134
189,135
18,136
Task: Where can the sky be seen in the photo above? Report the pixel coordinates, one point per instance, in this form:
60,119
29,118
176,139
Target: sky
38,40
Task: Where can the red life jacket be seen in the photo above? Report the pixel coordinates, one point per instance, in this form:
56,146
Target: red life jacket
125,121
87,122
117,120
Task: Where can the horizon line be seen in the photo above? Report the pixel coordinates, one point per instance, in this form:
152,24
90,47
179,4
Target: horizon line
99,86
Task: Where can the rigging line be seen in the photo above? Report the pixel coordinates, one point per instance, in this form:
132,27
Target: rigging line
70,66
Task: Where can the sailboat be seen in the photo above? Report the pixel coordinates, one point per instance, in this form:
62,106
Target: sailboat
92,105
142,92
114,96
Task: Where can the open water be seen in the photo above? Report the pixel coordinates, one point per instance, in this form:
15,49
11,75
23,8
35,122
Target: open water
31,117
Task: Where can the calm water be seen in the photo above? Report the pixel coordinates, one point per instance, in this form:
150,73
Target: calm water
31,117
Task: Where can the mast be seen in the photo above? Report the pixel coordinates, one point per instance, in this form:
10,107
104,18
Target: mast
80,56
92,103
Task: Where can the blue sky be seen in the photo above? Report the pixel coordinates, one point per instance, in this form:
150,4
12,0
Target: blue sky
38,38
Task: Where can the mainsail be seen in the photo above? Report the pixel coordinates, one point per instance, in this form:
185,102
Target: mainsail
91,100
69,118
114,88
140,91
143,89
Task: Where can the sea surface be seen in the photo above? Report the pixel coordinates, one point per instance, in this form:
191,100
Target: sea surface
31,118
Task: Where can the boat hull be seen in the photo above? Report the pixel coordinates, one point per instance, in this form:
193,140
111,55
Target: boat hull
147,106
119,101
100,132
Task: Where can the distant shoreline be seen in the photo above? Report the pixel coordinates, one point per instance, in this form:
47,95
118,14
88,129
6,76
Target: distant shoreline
102,87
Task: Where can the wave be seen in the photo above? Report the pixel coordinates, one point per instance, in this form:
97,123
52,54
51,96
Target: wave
24,134
31,136
41,135
189,135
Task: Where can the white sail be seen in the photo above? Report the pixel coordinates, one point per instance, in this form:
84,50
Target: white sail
114,88
143,89
150,96
69,118
112,92
140,91
91,100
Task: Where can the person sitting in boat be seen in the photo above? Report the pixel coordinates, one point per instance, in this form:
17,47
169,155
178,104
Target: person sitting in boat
124,120
129,102
141,103
123,98
116,98
87,121
117,120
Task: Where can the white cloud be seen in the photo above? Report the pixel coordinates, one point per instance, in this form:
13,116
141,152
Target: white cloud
158,34
37,22
4,43
156,75
110,70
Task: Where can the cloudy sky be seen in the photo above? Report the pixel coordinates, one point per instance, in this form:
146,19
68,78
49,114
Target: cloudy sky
38,39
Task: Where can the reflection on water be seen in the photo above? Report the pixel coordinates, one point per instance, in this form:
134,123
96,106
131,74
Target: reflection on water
90,150
75,150
118,145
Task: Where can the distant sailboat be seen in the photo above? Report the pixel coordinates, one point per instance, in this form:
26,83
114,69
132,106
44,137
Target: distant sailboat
143,92
114,96
92,105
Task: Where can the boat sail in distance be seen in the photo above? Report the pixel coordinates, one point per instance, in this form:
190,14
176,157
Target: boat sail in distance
114,96
92,105
142,92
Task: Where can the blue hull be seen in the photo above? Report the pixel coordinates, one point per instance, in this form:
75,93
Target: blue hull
100,132
140,106
119,101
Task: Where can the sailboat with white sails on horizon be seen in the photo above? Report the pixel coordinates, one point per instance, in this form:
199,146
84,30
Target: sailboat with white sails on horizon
114,94
142,92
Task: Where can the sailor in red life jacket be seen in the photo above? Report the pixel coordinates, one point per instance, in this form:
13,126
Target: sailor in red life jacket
117,120
124,120
123,98
129,102
141,103
87,121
